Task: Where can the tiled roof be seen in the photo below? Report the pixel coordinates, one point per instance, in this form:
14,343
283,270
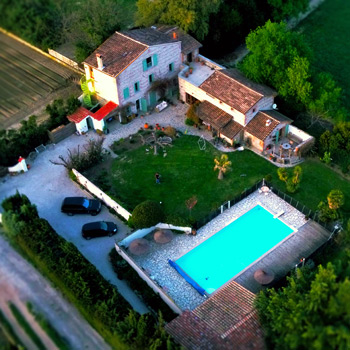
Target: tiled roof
264,123
226,321
232,88
80,114
188,43
117,53
231,129
149,36
213,115
105,110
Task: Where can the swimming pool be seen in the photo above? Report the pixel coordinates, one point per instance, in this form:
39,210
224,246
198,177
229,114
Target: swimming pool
229,251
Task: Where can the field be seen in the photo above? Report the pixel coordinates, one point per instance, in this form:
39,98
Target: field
327,30
186,172
28,80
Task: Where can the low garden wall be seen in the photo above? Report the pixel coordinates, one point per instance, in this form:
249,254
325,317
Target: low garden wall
152,284
101,195
145,231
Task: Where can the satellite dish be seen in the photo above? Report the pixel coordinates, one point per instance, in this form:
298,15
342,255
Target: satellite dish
274,106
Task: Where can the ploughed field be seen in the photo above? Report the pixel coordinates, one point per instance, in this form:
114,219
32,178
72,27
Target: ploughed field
27,78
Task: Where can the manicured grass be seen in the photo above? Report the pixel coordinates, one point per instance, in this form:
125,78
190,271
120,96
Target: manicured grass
317,181
327,30
26,326
9,333
186,171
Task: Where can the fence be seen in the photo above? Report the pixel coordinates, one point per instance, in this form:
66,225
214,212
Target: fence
101,195
158,289
290,200
61,132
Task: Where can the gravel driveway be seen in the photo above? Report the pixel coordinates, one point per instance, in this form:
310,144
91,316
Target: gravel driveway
46,185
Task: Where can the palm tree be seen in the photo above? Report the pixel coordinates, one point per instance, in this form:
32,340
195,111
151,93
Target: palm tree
335,199
223,164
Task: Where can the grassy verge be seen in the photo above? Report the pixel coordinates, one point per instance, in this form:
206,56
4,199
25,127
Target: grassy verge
327,30
49,329
9,332
26,326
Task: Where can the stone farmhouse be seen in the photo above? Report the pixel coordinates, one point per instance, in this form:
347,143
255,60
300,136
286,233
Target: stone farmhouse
126,65
126,68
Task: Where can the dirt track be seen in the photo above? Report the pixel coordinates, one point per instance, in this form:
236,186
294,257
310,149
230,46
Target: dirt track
20,282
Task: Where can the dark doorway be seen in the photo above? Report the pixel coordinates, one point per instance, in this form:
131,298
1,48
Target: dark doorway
189,57
190,99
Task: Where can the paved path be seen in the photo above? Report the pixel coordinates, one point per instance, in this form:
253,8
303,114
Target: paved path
46,185
20,282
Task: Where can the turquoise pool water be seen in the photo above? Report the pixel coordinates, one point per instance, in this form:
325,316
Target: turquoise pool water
223,255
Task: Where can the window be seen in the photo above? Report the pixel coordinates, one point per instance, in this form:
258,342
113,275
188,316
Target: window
149,62
126,93
137,86
171,67
151,78
138,105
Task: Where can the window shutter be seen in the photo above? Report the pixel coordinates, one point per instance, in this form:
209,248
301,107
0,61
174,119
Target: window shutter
155,59
126,93
144,64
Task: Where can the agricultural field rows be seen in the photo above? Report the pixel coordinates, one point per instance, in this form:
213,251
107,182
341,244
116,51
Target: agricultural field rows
27,79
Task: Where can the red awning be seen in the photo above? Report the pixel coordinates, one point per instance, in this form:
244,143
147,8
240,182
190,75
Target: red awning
105,110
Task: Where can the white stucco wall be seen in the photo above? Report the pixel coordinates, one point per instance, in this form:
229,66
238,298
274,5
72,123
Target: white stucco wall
82,126
98,124
166,54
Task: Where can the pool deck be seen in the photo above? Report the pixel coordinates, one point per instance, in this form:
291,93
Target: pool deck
281,259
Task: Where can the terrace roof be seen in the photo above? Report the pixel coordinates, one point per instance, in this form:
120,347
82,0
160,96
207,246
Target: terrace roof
80,114
105,110
226,321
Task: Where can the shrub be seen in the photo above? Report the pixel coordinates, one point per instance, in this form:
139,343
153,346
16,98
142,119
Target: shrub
192,113
147,214
170,131
189,122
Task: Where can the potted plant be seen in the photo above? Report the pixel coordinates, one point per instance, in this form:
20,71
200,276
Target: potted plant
190,69
146,126
186,74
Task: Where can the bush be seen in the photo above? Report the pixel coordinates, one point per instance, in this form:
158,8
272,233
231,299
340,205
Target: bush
147,214
189,122
170,131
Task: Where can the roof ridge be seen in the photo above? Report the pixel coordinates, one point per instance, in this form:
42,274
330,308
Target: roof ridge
269,116
243,320
227,75
136,41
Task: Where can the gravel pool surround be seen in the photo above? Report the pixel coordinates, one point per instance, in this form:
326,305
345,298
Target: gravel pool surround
155,263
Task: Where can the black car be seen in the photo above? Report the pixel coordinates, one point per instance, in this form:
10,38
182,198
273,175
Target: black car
80,205
99,229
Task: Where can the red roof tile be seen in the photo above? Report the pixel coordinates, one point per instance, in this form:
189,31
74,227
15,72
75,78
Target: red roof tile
264,123
80,114
226,321
213,115
117,52
105,110
232,88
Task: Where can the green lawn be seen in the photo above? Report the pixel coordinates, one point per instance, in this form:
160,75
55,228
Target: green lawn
187,172
327,30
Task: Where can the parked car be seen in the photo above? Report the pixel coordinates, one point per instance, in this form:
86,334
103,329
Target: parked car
99,229
80,205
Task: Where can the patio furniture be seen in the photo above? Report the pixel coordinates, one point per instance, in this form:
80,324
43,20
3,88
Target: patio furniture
163,236
139,246
264,277
286,146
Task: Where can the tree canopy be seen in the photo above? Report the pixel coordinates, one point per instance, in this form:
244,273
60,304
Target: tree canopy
281,58
312,312
281,9
190,15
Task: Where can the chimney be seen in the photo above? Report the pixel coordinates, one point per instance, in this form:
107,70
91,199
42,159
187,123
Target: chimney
268,122
174,35
99,61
